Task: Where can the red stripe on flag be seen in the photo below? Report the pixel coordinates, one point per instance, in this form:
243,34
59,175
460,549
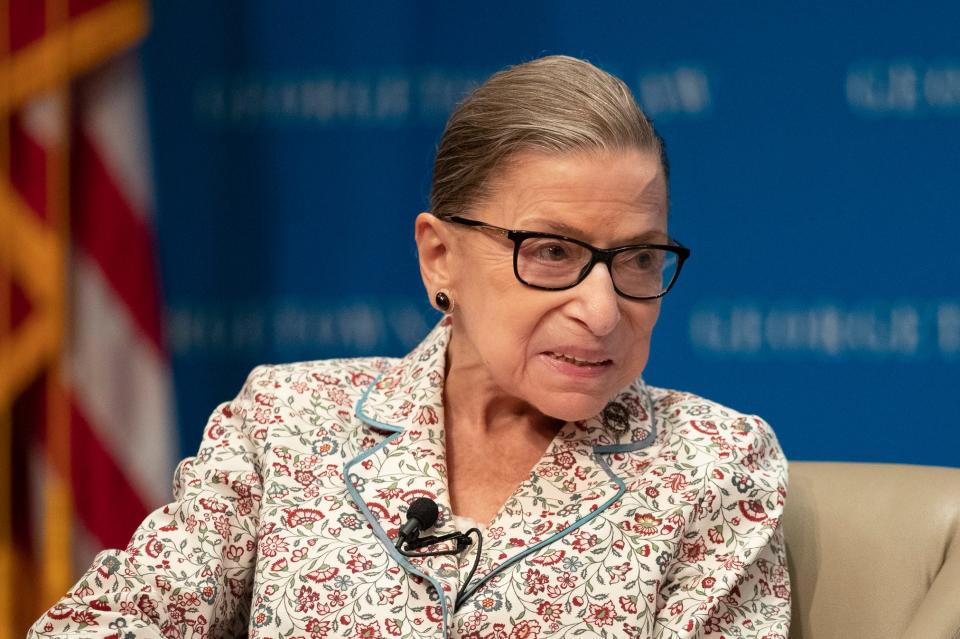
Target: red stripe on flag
109,507
20,306
28,173
27,22
79,7
29,418
28,18
106,227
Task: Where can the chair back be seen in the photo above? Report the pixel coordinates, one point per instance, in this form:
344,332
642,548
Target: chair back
873,550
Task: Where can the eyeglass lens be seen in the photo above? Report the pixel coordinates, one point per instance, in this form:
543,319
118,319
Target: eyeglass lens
555,263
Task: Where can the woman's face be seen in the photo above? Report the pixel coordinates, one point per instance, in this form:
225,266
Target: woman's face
566,353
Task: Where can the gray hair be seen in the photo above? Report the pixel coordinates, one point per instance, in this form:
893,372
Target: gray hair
555,104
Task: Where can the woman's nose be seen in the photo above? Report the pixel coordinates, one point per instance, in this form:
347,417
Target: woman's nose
597,303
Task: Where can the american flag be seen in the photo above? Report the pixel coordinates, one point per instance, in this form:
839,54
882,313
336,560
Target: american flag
87,440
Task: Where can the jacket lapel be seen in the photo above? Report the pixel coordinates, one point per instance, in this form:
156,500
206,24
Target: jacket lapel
406,404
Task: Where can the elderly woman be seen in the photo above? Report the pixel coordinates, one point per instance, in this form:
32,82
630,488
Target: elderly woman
606,507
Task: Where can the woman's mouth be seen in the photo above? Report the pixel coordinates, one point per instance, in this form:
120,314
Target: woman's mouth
570,359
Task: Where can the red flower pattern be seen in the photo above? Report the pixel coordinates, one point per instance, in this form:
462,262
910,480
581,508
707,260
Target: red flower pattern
602,615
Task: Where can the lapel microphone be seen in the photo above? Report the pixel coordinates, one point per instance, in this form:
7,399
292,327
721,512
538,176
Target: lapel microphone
422,514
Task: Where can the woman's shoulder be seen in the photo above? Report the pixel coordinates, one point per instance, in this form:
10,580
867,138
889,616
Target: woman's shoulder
283,405
345,371
684,418
687,404
278,395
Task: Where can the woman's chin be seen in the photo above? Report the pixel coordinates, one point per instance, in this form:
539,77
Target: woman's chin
572,407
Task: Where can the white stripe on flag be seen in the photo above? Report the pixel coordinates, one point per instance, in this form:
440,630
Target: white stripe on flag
121,384
112,103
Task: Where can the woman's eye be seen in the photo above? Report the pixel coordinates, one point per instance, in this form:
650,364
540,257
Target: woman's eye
553,252
647,260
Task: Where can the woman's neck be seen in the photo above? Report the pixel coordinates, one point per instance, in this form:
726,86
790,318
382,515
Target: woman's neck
473,400
493,439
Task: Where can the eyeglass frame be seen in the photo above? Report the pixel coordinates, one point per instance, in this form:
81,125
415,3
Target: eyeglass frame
597,255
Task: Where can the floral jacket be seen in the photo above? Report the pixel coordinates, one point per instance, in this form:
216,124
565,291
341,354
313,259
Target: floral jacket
659,517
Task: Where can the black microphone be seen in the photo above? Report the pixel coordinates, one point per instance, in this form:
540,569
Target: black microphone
421,515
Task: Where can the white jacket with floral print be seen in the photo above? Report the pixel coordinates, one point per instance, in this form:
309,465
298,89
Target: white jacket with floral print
659,517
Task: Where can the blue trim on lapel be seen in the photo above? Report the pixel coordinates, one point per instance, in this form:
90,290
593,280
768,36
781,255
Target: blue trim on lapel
358,410
632,446
378,531
468,592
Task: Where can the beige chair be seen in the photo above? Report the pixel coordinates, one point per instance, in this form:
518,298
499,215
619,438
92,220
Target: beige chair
874,551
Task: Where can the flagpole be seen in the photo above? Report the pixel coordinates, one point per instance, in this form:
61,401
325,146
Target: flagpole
58,498
6,321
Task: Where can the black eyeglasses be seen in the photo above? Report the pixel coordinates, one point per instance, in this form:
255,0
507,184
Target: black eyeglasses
556,263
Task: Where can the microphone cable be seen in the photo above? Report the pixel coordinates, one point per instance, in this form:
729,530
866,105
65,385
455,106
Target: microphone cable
463,542
476,562
422,515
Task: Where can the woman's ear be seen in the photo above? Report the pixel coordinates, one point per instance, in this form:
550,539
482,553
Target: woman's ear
434,239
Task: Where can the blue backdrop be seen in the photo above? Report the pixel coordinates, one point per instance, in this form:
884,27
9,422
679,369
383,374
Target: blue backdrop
815,156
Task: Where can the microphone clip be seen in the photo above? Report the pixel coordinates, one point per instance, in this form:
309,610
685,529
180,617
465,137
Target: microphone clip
462,540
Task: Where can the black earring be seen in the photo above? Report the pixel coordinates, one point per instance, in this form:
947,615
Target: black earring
443,301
